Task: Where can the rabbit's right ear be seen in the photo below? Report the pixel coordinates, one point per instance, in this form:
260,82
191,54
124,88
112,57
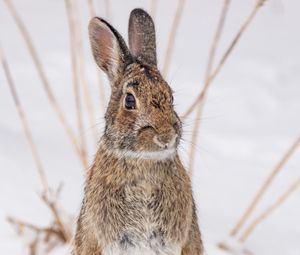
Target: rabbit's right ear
141,33
108,47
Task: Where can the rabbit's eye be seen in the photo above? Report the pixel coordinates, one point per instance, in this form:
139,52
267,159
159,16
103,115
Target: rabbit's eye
130,102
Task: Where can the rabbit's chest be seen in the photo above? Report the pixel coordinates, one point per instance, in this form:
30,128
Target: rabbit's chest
144,213
145,204
150,225
141,192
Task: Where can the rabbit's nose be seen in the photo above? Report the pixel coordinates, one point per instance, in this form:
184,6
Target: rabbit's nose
165,141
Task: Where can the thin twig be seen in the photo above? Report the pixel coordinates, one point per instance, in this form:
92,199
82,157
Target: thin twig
74,62
210,62
265,187
227,53
23,118
82,73
33,246
22,224
52,206
45,82
172,36
269,210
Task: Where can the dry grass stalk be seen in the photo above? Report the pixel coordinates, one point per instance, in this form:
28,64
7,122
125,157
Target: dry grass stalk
82,72
23,118
45,82
269,210
195,134
172,36
153,8
74,64
210,62
221,63
59,229
265,187
216,38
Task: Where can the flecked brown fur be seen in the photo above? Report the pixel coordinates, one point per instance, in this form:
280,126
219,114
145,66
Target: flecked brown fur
131,199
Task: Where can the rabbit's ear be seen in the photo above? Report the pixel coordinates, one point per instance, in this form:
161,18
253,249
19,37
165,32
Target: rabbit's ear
141,32
108,47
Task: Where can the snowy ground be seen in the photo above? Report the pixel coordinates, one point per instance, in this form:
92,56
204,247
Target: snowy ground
250,119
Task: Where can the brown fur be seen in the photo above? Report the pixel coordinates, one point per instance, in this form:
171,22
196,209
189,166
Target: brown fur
126,198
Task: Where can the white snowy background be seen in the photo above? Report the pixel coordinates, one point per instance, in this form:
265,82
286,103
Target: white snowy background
251,117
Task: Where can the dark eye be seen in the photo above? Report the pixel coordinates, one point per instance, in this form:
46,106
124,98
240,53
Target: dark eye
130,102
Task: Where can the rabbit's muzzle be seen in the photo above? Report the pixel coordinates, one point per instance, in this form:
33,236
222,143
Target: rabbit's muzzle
165,141
152,138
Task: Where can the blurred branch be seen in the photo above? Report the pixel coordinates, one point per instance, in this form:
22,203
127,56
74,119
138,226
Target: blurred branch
172,37
269,210
45,82
23,118
211,58
232,249
265,187
53,208
102,97
108,14
91,8
58,230
82,71
98,73
74,62
21,225
227,53
153,8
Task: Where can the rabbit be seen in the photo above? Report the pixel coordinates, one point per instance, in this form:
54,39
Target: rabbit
138,198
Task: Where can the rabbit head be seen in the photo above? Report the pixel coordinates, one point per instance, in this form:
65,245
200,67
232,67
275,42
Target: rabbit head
140,118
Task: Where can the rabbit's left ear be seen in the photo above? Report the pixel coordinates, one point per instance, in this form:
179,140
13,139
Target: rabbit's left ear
141,32
108,47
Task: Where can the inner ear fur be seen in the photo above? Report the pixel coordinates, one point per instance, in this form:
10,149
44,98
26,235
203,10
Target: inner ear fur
108,48
141,37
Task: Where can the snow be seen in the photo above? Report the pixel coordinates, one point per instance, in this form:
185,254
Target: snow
250,119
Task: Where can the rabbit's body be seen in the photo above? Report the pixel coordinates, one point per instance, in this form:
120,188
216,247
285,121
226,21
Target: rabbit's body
138,197
144,207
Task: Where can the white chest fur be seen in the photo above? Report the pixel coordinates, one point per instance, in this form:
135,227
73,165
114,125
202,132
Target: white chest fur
141,249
